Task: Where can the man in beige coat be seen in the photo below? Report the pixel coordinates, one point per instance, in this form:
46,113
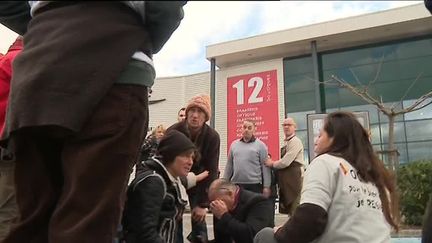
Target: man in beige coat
289,169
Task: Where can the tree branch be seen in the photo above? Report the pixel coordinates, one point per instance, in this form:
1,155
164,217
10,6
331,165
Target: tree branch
362,94
415,106
377,74
408,90
355,76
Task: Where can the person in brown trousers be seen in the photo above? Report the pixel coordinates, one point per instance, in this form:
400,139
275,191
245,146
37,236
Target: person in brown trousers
78,111
289,169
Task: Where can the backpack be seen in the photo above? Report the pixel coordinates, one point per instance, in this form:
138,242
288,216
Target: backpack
121,232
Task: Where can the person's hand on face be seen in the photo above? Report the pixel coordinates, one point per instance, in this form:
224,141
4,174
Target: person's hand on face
219,208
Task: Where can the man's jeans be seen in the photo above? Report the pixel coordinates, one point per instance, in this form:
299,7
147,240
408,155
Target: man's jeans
199,229
8,207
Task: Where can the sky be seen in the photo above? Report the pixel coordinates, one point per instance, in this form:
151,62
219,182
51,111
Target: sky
212,22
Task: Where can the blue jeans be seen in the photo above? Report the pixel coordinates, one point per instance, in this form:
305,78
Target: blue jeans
199,229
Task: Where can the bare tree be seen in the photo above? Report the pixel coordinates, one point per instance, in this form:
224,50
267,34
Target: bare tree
390,111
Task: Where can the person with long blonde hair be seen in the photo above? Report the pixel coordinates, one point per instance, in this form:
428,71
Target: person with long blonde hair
348,195
149,146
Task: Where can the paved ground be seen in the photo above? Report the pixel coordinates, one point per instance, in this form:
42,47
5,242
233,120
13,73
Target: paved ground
279,219
404,236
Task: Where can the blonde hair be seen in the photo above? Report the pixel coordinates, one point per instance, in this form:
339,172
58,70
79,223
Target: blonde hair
158,127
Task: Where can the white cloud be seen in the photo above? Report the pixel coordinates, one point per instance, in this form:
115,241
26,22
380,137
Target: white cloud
204,23
212,22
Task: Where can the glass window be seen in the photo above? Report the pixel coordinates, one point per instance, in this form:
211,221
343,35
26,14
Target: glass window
371,109
403,155
306,156
378,148
300,65
399,132
424,113
340,97
395,66
302,135
300,118
299,83
330,110
376,135
419,130
375,54
303,101
420,151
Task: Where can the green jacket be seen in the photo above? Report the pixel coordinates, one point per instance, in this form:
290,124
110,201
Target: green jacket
71,81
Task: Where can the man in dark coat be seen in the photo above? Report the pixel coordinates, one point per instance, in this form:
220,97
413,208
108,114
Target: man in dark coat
207,141
78,111
240,213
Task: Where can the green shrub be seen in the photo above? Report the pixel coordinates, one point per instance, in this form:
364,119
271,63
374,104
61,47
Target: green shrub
415,185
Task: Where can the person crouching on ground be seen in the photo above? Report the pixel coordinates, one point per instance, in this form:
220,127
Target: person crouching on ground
240,213
156,197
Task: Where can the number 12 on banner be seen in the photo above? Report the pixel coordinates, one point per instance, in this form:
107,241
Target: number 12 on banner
256,83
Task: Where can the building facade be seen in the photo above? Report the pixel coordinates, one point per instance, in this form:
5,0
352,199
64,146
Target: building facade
389,52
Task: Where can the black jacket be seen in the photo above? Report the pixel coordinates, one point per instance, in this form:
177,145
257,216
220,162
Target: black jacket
148,150
208,145
153,208
242,224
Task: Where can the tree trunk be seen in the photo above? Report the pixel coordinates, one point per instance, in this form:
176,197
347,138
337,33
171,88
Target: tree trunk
393,160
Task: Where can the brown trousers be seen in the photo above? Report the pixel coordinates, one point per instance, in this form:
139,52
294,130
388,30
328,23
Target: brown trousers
290,183
8,207
73,189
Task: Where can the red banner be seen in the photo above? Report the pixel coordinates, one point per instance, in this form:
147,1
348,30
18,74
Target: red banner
254,96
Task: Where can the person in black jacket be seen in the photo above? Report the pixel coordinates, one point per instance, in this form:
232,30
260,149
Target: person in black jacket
207,141
239,212
149,147
155,202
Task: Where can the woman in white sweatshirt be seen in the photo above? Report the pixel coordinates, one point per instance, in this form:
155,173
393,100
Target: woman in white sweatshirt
347,196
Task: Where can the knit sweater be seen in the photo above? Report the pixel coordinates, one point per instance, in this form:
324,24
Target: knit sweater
245,163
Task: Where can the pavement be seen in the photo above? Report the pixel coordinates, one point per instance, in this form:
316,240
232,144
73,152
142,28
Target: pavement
404,235
279,219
